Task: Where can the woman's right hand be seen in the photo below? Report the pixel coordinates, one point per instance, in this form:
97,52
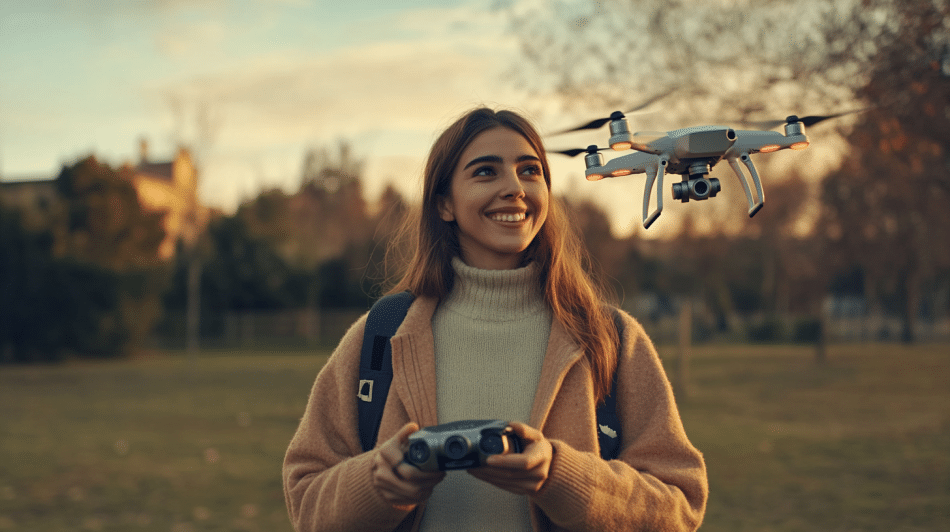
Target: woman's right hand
401,484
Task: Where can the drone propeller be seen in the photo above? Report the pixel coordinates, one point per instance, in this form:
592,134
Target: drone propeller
806,121
574,152
616,115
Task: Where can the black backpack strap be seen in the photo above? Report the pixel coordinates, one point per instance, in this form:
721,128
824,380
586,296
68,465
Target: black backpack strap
376,363
608,424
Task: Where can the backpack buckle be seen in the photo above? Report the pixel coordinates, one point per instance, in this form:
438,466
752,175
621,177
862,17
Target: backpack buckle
365,391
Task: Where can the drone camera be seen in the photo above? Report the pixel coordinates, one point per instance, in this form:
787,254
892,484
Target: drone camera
699,188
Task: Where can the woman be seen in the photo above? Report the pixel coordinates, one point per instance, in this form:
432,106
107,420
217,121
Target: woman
505,325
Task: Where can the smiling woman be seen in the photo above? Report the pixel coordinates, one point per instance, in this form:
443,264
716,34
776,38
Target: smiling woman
505,325
498,199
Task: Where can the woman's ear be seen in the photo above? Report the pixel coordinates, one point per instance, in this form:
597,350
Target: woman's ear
445,209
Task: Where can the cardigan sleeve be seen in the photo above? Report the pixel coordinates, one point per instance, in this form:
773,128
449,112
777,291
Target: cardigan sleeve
327,476
658,482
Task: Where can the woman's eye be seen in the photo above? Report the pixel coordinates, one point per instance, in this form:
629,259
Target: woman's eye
532,170
484,171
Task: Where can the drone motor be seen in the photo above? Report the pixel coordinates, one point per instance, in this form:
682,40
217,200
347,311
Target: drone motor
619,132
593,158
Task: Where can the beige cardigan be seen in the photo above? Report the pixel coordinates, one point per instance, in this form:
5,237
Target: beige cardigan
658,483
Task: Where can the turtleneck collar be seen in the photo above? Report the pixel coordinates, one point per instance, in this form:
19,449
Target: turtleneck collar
494,295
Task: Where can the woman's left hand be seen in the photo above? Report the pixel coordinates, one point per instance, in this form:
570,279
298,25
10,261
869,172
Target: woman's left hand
521,473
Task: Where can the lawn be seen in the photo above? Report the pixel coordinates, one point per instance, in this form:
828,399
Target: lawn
162,443
860,443
167,443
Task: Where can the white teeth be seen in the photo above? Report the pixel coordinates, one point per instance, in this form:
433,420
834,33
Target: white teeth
503,217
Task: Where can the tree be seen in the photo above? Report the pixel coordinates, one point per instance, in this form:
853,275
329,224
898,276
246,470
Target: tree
748,59
885,208
244,272
105,224
89,281
322,218
722,59
606,251
28,313
106,228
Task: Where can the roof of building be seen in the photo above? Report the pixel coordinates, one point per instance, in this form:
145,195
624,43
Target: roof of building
26,180
159,170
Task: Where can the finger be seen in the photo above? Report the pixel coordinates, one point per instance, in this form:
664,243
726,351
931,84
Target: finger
533,456
526,432
413,474
400,491
403,435
530,458
392,450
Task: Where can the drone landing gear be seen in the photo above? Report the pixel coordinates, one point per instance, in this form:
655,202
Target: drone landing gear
747,161
654,172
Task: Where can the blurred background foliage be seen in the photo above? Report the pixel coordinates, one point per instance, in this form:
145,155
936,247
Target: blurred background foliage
84,277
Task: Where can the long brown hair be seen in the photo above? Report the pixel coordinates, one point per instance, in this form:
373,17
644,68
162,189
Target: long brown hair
576,300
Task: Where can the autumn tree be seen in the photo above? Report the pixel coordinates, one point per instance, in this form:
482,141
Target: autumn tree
307,248
108,234
719,60
89,280
886,208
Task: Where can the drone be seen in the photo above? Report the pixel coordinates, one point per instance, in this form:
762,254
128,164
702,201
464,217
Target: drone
691,153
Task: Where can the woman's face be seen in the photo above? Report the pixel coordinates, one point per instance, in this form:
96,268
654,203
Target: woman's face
498,198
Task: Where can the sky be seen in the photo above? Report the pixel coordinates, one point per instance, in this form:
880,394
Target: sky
269,79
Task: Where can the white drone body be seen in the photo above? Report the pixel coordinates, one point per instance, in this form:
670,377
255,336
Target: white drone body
690,152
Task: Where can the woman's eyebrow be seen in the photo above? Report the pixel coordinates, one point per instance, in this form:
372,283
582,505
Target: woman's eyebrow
484,159
498,160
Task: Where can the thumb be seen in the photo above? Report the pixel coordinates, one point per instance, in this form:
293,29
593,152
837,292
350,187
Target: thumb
403,435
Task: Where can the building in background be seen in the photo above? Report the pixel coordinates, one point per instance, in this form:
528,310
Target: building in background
171,186
166,186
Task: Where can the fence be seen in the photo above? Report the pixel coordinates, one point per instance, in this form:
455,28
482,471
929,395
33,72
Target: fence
254,329
302,328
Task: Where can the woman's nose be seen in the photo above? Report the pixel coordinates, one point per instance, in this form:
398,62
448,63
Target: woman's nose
512,186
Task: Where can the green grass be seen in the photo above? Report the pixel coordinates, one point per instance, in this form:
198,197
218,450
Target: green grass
859,443
165,443
156,444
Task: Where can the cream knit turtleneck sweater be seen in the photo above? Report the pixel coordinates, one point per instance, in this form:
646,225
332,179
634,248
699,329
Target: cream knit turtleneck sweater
491,333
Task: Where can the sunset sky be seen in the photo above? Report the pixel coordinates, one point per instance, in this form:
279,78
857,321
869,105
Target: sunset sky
273,78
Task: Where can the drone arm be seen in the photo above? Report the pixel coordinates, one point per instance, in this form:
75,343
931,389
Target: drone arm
654,172
734,163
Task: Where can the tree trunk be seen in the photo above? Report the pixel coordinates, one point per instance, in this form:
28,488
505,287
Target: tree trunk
911,289
193,309
685,346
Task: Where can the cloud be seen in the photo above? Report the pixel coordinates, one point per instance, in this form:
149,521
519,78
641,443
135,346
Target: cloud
183,38
389,95
407,83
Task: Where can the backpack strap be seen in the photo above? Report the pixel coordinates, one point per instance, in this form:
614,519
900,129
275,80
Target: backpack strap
608,423
376,375
376,363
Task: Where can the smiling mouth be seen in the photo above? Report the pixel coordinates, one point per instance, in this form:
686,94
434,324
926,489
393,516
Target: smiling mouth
508,217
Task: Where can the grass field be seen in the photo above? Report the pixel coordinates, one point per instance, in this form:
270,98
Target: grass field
168,444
